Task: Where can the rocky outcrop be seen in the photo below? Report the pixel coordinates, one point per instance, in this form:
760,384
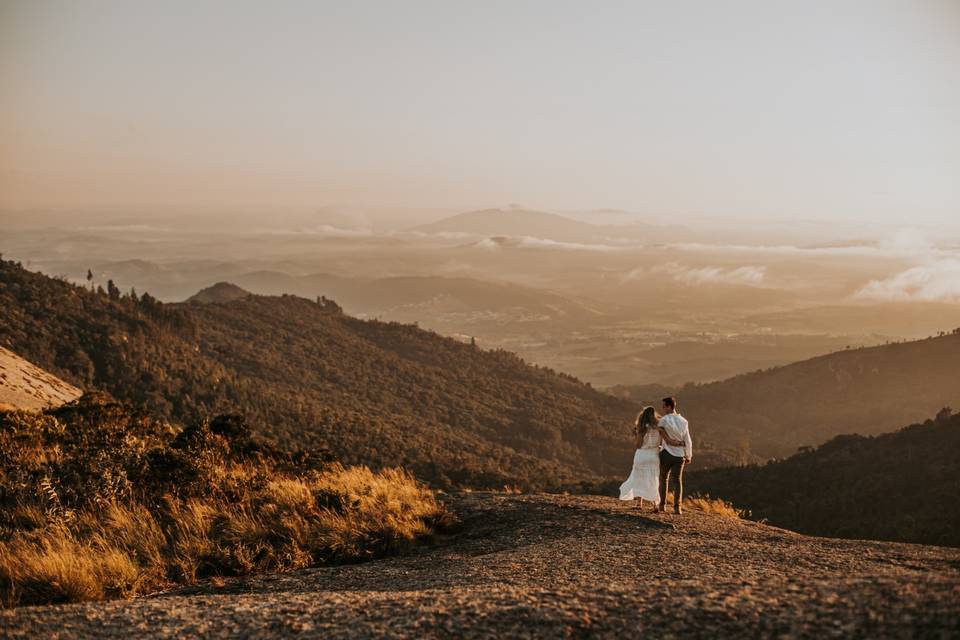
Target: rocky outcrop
26,386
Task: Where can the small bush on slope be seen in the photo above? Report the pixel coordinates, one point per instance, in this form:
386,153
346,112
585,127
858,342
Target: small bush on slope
99,502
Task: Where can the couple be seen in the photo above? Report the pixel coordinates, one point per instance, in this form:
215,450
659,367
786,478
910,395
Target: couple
663,448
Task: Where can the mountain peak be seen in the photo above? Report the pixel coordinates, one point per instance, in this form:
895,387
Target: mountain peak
219,293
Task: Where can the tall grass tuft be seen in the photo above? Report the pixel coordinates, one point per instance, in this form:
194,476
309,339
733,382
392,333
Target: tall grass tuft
715,506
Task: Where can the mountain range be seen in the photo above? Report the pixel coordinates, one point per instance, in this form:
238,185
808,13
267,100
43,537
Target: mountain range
551,226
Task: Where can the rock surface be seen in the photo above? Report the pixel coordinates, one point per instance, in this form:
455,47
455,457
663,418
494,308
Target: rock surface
26,386
561,566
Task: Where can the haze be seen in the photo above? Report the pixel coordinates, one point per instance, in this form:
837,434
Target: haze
731,112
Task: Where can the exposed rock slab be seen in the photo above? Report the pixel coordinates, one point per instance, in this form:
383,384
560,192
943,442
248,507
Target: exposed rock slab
26,386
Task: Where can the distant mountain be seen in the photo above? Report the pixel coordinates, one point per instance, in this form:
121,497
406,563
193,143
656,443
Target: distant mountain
26,386
550,226
867,391
134,269
375,393
514,222
422,297
898,486
219,292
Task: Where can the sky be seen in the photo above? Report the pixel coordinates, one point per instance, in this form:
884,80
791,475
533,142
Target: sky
844,110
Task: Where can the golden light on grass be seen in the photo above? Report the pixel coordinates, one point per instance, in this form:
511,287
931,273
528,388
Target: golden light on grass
71,537
121,550
715,506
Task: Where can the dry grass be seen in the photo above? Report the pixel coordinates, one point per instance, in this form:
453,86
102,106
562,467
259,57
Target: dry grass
56,567
119,550
98,501
715,506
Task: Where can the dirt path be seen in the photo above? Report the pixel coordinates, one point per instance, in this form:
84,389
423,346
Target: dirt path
556,566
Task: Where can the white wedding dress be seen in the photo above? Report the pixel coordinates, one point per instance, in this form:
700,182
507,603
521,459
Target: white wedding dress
644,480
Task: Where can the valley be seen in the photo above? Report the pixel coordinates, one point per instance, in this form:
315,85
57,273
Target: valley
627,304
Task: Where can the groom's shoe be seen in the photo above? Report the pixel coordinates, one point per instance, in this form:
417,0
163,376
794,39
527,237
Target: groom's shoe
661,508
677,510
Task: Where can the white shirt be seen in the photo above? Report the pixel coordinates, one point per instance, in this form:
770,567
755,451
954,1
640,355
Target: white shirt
677,427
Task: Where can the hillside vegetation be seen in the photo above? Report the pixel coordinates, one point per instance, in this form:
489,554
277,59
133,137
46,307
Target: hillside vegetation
899,486
301,371
100,501
867,391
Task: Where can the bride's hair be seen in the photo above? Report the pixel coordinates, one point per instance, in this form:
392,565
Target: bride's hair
647,419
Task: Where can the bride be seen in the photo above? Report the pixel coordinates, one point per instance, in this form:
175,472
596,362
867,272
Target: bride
644,480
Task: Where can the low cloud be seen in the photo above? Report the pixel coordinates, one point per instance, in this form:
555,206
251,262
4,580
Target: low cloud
905,242
529,242
747,275
322,231
938,281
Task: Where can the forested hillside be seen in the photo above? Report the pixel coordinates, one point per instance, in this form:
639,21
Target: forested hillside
867,391
383,394
898,486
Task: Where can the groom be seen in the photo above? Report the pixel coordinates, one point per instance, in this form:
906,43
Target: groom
672,457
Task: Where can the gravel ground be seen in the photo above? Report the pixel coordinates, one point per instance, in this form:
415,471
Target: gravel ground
532,566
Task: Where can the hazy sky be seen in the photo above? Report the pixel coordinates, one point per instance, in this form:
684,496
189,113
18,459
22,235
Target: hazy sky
815,108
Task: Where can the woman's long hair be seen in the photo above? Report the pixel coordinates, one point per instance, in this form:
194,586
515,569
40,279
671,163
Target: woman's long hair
648,419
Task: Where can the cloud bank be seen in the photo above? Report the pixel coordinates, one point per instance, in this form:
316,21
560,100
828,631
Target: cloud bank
747,275
530,242
937,281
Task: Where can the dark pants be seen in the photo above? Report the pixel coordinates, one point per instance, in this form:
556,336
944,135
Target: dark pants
671,465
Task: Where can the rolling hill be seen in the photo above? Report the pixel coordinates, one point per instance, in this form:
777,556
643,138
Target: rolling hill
219,292
901,486
866,391
375,393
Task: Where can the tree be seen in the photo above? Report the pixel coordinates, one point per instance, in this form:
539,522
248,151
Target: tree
90,278
113,291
